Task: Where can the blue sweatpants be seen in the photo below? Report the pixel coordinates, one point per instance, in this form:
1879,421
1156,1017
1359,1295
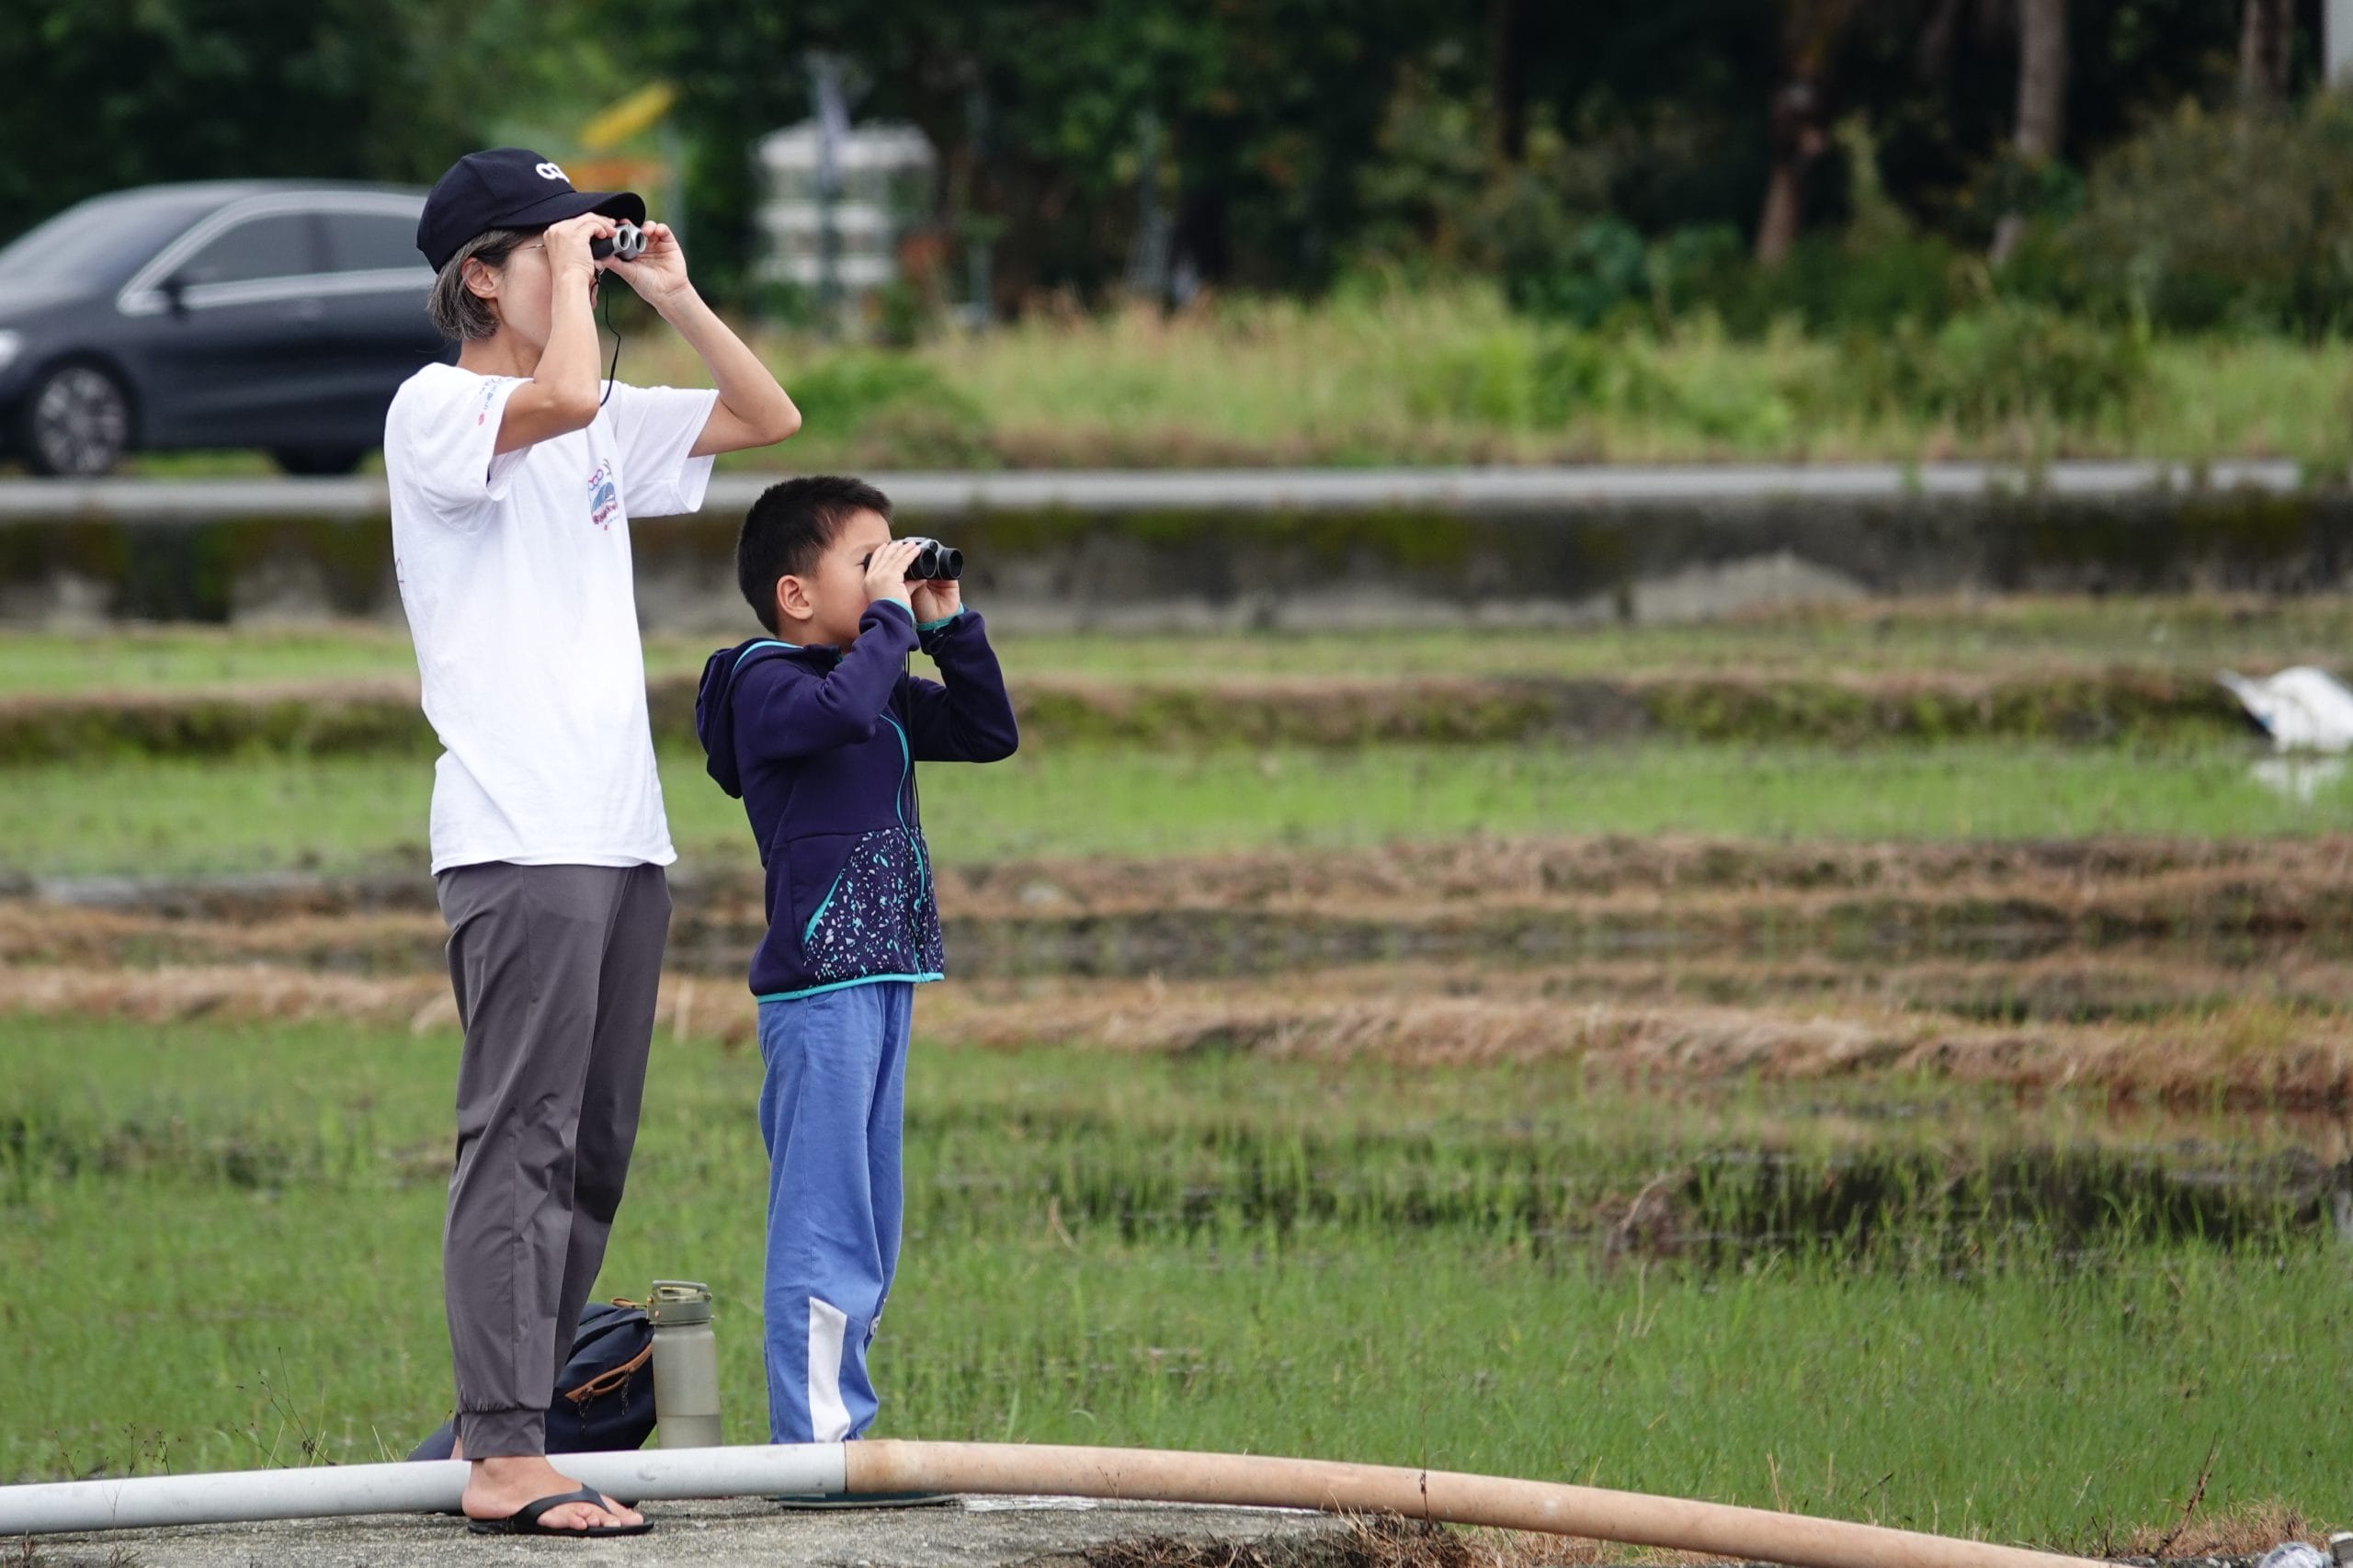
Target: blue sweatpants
830,1112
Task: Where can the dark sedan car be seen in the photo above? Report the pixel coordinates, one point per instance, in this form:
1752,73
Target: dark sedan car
249,314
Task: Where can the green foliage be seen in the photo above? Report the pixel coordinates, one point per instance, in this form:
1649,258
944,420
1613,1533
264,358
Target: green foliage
852,388
115,93
1429,166
2211,221
1266,110
893,403
1298,136
903,314
1540,377
1684,267
1499,377
2005,362
1832,285
1603,266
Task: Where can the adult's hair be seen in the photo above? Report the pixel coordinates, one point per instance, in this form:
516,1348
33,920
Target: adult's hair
790,526
458,314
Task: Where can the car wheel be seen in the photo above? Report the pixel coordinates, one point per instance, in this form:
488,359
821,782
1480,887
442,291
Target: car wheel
315,461
77,422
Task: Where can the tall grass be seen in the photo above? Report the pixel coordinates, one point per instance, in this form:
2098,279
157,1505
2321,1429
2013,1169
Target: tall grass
1448,374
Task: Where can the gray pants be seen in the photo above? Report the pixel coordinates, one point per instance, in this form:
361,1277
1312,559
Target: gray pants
555,969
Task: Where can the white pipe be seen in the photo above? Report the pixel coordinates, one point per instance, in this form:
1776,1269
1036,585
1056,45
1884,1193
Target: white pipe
1131,1474
425,1487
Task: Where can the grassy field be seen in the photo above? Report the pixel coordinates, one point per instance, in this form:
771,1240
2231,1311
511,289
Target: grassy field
1221,1252
1942,1133
1448,375
1933,637
176,817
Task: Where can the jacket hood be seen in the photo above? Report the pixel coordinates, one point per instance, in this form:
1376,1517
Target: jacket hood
715,703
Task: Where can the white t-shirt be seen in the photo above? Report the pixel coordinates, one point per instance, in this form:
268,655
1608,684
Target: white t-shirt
515,571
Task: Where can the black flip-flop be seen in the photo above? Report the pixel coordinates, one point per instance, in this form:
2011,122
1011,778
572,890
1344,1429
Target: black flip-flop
525,1520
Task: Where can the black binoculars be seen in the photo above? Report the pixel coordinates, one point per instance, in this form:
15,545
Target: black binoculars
933,564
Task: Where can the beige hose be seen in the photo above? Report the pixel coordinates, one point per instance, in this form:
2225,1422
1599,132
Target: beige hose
1445,1496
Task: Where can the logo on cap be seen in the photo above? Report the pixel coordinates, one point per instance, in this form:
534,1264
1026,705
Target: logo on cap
549,171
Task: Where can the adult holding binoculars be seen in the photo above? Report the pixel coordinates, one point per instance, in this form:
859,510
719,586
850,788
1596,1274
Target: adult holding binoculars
514,475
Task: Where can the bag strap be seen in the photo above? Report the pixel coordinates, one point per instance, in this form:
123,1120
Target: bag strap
607,1381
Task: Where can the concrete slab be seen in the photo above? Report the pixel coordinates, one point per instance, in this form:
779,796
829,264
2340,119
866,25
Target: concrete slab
990,1532
1469,491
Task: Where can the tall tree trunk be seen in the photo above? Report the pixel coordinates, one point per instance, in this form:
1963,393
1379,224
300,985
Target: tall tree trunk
2043,77
2042,101
1798,125
1797,140
1507,77
2264,30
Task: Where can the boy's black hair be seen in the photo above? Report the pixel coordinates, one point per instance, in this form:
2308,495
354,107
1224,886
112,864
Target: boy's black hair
790,527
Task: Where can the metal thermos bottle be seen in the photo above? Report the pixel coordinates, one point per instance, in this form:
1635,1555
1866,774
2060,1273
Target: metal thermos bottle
686,1364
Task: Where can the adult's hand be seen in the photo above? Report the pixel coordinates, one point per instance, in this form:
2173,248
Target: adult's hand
567,243
659,273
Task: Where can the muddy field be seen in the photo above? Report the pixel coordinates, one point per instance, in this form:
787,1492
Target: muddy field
2177,971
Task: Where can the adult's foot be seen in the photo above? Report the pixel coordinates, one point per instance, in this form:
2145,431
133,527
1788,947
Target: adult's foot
498,1488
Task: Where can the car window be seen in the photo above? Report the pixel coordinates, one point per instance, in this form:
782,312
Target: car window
372,242
105,240
275,245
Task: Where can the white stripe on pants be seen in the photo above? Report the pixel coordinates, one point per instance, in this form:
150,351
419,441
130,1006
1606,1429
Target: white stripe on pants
828,1416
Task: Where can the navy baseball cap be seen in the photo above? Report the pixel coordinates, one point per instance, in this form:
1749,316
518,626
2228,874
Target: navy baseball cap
507,187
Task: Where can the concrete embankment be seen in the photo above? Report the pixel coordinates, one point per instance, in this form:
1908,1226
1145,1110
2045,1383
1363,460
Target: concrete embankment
1285,548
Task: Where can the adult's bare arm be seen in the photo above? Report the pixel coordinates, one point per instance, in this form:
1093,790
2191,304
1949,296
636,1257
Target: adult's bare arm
562,395
753,409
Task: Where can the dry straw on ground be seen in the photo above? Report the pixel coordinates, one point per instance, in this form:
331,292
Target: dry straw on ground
2258,1056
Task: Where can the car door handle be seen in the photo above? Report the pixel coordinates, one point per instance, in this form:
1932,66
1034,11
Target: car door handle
309,309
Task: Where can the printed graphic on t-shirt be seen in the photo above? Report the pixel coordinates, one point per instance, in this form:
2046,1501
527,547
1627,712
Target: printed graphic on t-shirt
604,497
488,396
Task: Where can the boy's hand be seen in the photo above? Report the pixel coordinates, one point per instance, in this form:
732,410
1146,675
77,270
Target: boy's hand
659,273
938,600
886,570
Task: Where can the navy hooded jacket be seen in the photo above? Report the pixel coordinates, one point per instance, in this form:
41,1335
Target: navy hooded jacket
821,747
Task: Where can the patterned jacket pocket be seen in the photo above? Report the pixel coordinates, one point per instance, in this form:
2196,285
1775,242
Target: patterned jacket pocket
865,922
